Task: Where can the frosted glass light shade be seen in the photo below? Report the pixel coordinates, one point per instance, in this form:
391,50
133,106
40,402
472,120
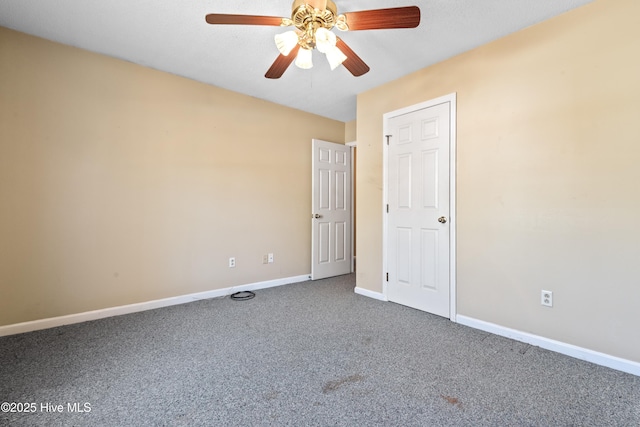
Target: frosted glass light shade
286,42
304,59
335,57
325,40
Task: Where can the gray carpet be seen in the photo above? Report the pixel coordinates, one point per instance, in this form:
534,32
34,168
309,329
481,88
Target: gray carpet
306,354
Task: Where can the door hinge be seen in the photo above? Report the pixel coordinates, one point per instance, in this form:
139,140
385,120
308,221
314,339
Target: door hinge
387,277
388,136
387,208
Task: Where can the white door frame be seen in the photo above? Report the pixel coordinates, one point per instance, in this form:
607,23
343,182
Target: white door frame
353,145
451,98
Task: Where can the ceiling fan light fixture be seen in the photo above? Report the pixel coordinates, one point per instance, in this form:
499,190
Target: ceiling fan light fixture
304,59
335,57
285,42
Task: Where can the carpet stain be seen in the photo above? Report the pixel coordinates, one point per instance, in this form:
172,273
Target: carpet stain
336,384
452,400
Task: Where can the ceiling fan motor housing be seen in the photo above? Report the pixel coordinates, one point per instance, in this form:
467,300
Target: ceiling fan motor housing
308,19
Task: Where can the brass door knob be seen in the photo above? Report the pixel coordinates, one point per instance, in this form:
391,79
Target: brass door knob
316,216
442,219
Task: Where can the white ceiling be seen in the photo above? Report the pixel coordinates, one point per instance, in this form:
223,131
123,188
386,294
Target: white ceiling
172,35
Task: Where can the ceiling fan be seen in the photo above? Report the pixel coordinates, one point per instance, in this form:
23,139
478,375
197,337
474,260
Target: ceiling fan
313,21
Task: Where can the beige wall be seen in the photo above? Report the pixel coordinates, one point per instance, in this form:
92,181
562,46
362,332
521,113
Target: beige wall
121,184
548,133
350,131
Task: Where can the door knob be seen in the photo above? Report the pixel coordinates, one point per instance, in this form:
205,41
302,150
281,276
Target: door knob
316,216
442,220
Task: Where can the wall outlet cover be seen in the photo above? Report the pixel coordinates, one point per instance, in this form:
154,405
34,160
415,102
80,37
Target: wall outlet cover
546,298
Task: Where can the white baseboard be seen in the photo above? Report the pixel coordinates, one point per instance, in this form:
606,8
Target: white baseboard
53,322
601,359
367,293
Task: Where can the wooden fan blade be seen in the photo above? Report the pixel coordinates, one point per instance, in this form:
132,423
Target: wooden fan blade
218,18
381,19
353,63
281,64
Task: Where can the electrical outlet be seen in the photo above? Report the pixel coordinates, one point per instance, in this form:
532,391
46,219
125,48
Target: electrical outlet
265,259
270,258
546,298
232,262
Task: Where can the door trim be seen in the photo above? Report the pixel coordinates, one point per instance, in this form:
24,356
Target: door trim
451,99
353,145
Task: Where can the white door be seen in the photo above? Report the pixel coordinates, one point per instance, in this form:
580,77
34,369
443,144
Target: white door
418,220
331,210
